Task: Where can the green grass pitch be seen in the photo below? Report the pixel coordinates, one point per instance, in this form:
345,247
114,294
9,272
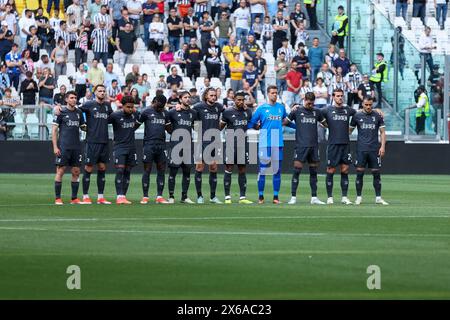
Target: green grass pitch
226,251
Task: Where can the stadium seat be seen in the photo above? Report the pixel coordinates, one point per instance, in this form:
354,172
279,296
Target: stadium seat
216,83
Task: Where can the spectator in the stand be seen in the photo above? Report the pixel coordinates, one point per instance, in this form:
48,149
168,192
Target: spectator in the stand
94,8
59,57
193,58
401,8
103,16
4,79
303,65
321,92
311,6
99,38
379,75
190,26
135,9
6,40
43,26
267,32
137,100
28,89
156,30
241,21
44,62
280,27
81,46
33,44
25,23
133,75
81,81
337,83
250,77
173,100
13,61
307,87
426,46
212,60
419,9
331,55
161,83
126,43
441,12
201,6
294,84
288,51
183,7
343,62
206,84
141,88
257,8
295,17
366,88
316,57
236,71
225,29
9,16
401,52
95,75
60,97
249,48
226,6
340,28
302,34
352,81
46,86
281,69
88,97
62,33
166,57
174,79
113,91
261,66
175,29
149,8
125,18
180,57
228,52
257,28
27,64
228,101
110,75
195,98
206,30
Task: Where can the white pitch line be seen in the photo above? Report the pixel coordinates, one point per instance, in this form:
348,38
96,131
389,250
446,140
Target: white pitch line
221,218
233,233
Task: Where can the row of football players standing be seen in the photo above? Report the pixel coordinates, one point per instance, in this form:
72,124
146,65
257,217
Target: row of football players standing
269,118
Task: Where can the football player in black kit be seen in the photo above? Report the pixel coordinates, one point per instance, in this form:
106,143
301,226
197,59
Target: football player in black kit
124,124
337,118
67,145
97,151
369,151
155,119
306,119
181,123
235,119
208,114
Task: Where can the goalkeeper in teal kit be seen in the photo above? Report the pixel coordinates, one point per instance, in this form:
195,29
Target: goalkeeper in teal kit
270,118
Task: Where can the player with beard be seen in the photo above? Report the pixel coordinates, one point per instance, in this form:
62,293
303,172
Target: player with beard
182,119
369,151
156,119
337,117
306,145
67,145
208,114
97,113
124,124
236,119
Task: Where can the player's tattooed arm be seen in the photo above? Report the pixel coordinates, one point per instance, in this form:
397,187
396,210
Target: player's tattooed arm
56,150
382,150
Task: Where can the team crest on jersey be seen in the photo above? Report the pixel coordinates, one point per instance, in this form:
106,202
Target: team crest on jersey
373,119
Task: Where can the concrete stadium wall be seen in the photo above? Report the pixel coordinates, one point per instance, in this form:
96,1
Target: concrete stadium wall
401,158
